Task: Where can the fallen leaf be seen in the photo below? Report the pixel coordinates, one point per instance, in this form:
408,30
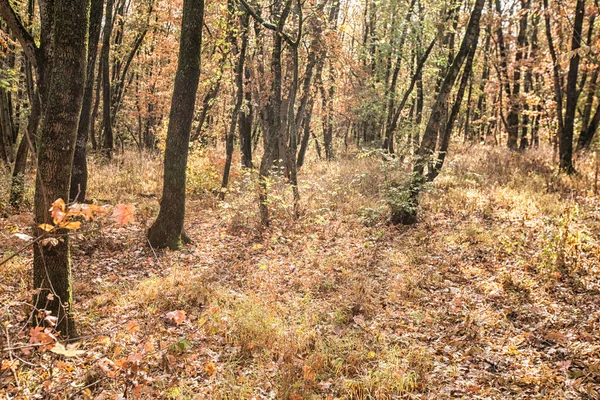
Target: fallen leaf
123,214
175,317
210,368
69,351
23,236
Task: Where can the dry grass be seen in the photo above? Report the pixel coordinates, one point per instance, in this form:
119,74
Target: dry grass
489,296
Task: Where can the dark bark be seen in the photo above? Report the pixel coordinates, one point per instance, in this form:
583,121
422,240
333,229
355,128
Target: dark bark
407,214
119,85
449,126
16,26
583,141
590,131
413,82
246,114
565,144
52,265
556,72
28,140
79,174
167,230
108,142
6,129
239,93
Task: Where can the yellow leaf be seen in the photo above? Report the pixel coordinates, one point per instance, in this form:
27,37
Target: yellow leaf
46,227
73,225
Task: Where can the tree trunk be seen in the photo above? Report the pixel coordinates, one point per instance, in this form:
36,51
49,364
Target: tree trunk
408,213
79,174
52,265
556,72
247,111
239,95
108,143
167,230
565,144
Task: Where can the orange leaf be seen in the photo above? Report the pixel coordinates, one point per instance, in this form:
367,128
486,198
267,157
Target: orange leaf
97,209
57,211
123,213
78,209
73,225
308,373
210,368
137,391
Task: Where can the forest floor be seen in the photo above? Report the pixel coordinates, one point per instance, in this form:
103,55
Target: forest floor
494,294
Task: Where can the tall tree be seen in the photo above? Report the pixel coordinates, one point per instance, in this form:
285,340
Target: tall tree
240,53
565,144
108,143
79,175
167,230
52,264
423,157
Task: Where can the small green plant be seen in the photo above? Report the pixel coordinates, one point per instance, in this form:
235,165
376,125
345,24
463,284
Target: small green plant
400,198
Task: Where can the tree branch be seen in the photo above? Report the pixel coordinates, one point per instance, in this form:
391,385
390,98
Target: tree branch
18,29
266,24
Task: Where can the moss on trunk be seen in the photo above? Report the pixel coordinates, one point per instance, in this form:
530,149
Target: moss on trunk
52,264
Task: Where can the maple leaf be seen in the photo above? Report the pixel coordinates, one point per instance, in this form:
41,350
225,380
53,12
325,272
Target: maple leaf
137,391
123,214
132,327
175,317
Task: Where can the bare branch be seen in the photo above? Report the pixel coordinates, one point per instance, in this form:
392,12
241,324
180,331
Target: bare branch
18,29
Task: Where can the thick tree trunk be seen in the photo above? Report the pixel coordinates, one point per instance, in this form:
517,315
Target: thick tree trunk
79,174
167,230
52,265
